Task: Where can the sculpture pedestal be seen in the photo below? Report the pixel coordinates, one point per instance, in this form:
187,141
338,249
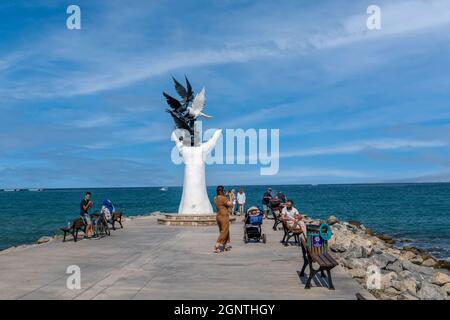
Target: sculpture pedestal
191,220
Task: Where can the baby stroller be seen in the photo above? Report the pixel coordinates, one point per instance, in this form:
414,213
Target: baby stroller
101,220
252,225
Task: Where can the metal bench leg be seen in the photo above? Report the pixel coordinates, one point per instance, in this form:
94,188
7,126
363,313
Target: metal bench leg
305,263
287,239
284,237
275,225
311,276
322,274
330,282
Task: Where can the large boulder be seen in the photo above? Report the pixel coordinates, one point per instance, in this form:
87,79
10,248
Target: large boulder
340,241
446,288
396,266
359,248
417,260
443,264
358,273
392,291
383,259
440,279
430,291
337,247
408,265
407,296
355,223
387,280
415,250
407,255
406,274
409,285
386,238
356,263
332,220
430,262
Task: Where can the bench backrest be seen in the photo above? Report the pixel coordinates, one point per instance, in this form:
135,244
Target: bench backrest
78,223
117,215
315,242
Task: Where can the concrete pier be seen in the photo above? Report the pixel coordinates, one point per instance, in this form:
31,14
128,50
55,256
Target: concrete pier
147,260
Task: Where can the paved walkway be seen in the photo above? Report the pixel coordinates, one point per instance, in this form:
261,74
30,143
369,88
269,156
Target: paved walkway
150,261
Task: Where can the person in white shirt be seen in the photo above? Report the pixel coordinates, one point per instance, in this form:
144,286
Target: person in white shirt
292,217
241,201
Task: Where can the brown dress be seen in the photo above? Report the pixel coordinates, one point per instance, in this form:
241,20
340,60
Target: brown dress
223,219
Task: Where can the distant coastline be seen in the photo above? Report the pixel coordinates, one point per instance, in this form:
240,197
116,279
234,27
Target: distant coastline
243,185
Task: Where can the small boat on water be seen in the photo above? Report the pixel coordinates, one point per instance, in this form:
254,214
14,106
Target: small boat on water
11,190
36,190
163,189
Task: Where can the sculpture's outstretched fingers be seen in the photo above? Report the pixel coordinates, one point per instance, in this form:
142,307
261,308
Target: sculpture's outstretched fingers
211,143
177,141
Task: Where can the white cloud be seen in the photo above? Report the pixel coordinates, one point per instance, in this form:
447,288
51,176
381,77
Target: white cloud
359,146
95,121
120,67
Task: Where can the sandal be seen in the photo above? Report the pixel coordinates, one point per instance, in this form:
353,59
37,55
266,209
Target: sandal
218,250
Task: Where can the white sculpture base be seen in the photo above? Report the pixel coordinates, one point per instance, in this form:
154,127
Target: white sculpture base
190,220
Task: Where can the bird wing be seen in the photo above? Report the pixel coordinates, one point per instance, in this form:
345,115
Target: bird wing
180,89
172,102
199,102
189,90
179,121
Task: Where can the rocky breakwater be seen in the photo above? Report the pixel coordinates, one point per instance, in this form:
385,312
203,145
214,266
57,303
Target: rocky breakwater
400,274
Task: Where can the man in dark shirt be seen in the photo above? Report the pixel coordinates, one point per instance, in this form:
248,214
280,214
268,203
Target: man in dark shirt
282,197
266,201
85,205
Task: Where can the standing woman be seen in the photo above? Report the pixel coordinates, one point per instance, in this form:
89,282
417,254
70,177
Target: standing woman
223,220
233,202
241,201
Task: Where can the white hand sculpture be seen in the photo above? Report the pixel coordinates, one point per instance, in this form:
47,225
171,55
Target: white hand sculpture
195,197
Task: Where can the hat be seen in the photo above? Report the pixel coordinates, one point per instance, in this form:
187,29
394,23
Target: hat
252,208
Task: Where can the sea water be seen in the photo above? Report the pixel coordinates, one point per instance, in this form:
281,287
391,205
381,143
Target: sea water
414,214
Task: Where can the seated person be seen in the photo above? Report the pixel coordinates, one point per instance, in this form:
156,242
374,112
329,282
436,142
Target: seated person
292,217
275,206
282,197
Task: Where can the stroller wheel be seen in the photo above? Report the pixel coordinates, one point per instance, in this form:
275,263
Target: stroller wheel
264,239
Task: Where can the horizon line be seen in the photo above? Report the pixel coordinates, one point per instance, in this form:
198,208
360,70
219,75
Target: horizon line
227,185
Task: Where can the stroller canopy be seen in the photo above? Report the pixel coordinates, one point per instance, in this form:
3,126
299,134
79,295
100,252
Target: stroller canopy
108,204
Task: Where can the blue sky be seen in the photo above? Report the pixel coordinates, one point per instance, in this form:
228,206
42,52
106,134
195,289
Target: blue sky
83,108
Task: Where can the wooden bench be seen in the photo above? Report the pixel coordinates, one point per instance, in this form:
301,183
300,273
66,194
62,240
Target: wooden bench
77,225
289,233
325,261
116,217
